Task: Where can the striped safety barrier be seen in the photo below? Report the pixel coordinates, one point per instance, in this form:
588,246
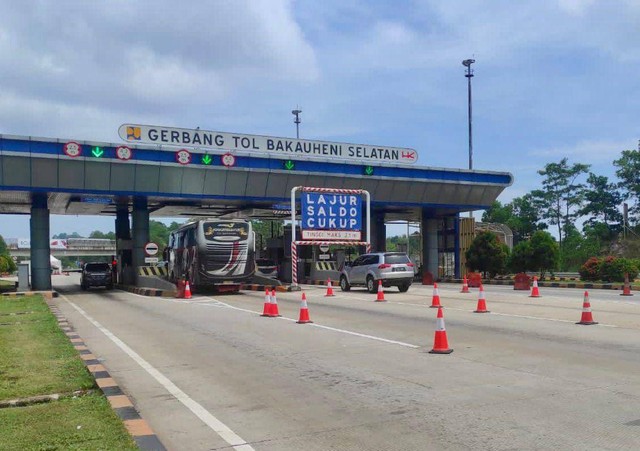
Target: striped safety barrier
152,271
326,266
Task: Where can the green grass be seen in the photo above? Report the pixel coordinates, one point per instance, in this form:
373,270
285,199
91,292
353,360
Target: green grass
54,426
36,358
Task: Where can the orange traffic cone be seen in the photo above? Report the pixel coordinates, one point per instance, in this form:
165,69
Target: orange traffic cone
274,305
482,305
535,292
329,289
187,290
626,291
587,317
435,300
380,297
440,343
304,311
465,285
266,311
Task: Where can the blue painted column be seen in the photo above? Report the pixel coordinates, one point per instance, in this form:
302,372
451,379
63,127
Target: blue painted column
40,244
140,226
429,229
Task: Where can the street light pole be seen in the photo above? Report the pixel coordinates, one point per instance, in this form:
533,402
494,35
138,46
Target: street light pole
296,121
469,74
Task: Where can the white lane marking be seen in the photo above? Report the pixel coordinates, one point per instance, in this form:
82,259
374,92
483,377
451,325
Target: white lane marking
207,418
320,326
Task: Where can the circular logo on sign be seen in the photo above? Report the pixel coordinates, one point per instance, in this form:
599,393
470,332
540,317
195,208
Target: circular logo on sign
228,160
72,149
123,152
151,249
183,156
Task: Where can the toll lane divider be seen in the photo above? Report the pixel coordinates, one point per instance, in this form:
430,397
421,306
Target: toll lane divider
139,429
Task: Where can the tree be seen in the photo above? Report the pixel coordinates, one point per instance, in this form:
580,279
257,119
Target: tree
498,213
487,254
526,217
602,200
521,256
561,194
545,252
101,235
159,233
3,247
64,236
629,174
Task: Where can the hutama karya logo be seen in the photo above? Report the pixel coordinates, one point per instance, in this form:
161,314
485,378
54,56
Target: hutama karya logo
133,133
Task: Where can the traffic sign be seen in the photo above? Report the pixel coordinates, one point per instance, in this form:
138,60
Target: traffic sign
151,259
183,156
207,159
72,149
324,248
97,151
151,249
289,165
228,160
123,152
368,170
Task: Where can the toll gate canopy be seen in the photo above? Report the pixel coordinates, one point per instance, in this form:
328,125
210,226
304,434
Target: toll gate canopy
90,178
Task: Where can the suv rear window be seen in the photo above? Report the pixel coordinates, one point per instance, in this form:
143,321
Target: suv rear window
97,267
396,258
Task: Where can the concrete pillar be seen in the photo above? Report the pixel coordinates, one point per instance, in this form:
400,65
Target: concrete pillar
429,228
140,235
378,232
40,244
125,273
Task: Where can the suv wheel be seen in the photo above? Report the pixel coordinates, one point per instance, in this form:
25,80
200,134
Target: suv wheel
344,285
371,285
404,287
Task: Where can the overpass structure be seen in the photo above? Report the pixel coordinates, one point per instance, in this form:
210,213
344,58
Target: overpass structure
42,176
85,247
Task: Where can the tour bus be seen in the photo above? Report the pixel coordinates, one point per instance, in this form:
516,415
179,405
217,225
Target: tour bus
212,253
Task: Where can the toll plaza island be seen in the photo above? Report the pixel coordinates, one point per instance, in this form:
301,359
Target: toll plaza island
170,172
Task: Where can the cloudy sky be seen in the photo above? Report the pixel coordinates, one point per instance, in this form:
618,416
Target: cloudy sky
553,78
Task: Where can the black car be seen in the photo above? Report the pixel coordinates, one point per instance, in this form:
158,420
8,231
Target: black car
96,275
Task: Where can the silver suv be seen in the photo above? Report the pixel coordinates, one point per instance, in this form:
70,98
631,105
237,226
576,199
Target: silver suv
393,268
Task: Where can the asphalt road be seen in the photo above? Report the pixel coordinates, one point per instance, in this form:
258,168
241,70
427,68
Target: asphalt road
211,373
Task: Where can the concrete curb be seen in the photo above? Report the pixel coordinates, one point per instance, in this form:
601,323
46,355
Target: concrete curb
139,429
46,294
587,285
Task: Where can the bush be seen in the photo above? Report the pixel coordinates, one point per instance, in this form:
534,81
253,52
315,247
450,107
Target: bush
608,269
590,271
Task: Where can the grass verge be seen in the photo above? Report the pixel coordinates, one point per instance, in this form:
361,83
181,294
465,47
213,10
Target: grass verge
36,358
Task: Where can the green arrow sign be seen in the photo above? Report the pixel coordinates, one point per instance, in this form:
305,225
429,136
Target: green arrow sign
206,159
97,151
368,170
289,165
